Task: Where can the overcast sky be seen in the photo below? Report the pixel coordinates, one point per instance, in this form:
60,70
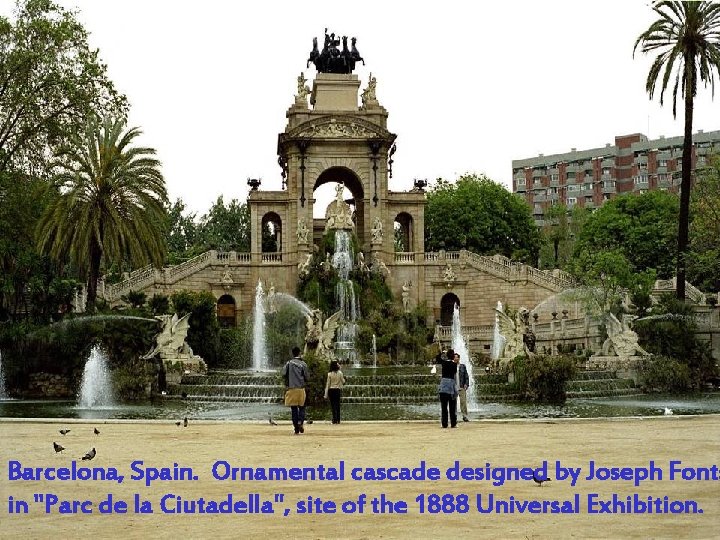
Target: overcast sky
469,86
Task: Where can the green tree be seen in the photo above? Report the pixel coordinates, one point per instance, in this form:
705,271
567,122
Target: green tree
182,233
686,39
51,84
109,204
482,216
225,227
704,255
555,231
640,227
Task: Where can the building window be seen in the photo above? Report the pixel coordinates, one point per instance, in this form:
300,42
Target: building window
520,181
606,170
662,163
608,183
573,187
571,201
641,180
571,176
554,177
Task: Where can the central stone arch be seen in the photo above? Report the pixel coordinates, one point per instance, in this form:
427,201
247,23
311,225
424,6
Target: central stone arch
351,180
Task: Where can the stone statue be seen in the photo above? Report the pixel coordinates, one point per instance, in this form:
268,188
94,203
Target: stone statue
622,340
302,90
331,59
320,334
270,300
361,262
518,335
406,296
368,95
379,267
377,231
338,214
302,232
304,266
449,274
170,342
227,276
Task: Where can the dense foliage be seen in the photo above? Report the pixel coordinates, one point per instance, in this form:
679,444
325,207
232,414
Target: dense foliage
204,327
107,204
544,378
51,85
686,40
481,216
704,255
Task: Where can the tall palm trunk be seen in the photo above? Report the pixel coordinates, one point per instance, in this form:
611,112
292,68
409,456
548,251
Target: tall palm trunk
93,274
686,184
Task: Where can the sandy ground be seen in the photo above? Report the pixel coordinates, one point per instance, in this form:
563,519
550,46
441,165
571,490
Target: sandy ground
610,443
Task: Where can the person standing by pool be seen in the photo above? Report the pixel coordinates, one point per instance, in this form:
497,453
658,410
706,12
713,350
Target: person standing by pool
333,389
296,377
448,387
463,385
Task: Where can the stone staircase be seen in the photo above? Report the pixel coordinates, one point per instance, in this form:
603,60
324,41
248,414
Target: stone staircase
228,386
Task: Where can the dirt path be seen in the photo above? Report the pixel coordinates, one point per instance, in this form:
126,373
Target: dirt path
222,445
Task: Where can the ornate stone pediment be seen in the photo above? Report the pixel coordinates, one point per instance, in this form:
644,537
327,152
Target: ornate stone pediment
339,128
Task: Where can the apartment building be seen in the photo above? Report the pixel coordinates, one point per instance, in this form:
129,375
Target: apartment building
589,177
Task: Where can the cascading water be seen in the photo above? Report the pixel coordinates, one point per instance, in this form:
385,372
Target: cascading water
460,346
342,261
96,388
259,353
3,392
498,341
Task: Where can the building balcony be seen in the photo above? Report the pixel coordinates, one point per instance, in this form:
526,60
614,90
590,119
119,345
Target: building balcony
609,189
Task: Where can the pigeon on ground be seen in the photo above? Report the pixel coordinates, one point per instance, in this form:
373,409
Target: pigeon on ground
539,481
433,371
64,431
668,412
178,423
96,431
272,422
58,447
185,422
89,455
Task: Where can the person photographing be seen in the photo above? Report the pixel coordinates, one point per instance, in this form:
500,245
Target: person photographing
447,389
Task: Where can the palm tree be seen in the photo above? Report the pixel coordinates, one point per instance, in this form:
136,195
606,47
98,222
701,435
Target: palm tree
686,39
109,206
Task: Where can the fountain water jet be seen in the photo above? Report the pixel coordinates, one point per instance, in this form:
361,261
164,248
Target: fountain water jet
259,353
374,351
342,261
460,346
96,387
498,342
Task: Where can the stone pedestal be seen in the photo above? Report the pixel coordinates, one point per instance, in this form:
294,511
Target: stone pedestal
335,92
626,367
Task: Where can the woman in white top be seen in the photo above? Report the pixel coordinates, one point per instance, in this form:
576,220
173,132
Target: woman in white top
333,389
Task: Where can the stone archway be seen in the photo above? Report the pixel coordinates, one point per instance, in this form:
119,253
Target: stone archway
447,306
348,178
271,240
226,311
403,228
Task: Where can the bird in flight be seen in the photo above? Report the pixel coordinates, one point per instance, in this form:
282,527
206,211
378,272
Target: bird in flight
539,481
64,431
96,431
272,422
89,455
58,447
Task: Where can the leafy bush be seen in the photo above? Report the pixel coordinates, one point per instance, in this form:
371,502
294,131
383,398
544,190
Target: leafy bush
318,368
204,327
543,378
664,374
235,347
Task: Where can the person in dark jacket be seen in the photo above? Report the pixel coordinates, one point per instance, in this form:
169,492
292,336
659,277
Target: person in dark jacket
463,385
448,387
296,377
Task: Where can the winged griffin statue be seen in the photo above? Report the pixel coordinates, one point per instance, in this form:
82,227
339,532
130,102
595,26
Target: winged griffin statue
170,342
320,334
519,337
622,340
